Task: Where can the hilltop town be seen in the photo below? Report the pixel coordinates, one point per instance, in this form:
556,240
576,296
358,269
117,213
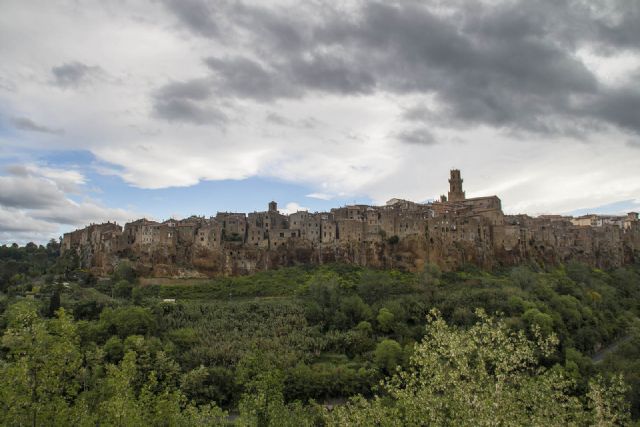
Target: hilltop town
450,233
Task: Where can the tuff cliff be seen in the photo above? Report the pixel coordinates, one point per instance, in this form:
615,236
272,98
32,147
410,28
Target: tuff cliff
402,234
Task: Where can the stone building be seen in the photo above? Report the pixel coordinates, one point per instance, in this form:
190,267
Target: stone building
401,234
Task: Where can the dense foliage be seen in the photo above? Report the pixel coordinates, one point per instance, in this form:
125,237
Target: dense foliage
77,349
484,375
20,264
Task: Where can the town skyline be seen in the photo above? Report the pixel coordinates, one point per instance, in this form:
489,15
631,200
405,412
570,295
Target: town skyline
451,232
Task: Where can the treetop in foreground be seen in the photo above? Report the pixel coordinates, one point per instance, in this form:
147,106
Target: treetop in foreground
486,375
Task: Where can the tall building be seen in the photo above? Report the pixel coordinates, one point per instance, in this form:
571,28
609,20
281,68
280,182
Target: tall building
455,187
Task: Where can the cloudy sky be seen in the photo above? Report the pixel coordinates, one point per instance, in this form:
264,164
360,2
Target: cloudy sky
117,109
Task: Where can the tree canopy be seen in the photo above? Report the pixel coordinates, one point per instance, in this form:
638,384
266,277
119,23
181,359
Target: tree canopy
484,375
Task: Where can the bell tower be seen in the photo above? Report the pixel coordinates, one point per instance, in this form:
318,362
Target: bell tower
455,187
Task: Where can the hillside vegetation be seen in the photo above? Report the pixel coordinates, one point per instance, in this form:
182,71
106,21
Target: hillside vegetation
282,347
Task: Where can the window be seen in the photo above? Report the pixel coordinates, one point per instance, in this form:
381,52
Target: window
281,234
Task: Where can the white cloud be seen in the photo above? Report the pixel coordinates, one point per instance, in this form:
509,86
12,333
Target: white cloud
34,204
29,192
320,196
15,220
338,145
293,207
68,180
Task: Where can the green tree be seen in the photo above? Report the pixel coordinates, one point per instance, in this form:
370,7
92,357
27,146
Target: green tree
484,375
127,321
122,289
385,319
124,271
113,349
388,355
54,302
154,405
39,375
534,317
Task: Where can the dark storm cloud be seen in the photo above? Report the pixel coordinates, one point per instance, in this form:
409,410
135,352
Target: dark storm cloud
197,89
185,110
187,102
510,65
243,77
620,107
197,15
284,32
331,74
417,136
73,74
26,124
620,27
507,76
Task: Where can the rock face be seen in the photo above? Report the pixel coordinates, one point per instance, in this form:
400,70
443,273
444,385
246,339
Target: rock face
401,234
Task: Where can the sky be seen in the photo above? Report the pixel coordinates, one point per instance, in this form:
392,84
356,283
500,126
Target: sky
112,110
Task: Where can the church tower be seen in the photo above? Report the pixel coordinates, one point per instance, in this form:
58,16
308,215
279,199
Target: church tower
455,187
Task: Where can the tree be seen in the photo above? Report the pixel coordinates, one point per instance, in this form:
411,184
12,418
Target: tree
124,271
484,375
324,299
113,349
122,289
262,403
385,319
54,302
39,376
431,275
534,317
388,355
127,321
154,405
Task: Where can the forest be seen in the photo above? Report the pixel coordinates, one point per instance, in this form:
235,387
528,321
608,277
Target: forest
317,345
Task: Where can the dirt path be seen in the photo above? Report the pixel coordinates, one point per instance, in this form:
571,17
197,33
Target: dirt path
600,355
